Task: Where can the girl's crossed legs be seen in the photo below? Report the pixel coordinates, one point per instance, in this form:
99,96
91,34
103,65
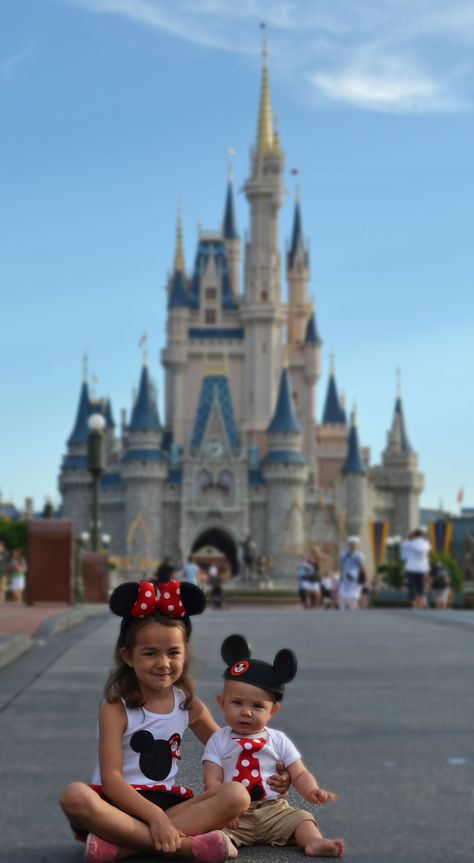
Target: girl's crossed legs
209,811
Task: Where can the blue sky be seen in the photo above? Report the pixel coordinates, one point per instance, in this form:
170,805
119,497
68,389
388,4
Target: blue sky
113,110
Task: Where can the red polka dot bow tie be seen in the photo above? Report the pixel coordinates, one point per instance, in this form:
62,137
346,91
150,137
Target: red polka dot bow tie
165,598
247,767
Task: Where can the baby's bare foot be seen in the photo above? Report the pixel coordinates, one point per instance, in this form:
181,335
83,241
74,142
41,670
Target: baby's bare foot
325,848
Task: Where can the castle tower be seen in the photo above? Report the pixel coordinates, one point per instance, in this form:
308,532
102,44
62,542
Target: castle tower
231,237
355,483
331,434
261,311
399,476
285,473
144,472
297,272
174,355
74,478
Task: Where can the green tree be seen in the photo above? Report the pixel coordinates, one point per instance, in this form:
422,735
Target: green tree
14,534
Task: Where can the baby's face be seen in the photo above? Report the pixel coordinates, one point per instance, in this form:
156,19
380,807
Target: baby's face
246,708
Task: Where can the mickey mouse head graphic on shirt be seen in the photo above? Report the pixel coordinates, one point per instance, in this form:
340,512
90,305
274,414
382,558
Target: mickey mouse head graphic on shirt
156,756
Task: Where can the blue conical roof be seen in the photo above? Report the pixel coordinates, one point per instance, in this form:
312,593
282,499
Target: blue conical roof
297,234
108,415
312,336
229,225
353,463
399,417
177,295
333,414
80,432
284,419
144,414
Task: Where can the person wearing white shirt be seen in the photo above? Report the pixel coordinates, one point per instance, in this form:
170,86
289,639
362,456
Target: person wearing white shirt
415,553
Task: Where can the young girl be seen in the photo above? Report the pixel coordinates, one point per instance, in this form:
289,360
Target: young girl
132,805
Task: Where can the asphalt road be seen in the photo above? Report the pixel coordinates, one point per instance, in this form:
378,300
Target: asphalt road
382,710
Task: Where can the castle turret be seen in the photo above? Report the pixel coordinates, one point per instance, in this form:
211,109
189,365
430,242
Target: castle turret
231,238
174,356
331,434
74,477
262,312
285,473
297,270
354,471
144,472
399,476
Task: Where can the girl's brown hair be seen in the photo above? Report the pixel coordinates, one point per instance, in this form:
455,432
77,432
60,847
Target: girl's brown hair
122,682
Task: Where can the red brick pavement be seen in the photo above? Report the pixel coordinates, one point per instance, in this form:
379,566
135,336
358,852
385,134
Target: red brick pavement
16,618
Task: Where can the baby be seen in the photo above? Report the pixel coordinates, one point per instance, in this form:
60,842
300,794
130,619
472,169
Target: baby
247,751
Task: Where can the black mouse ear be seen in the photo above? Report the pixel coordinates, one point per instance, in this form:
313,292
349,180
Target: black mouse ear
285,665
235,647
123,598
193,598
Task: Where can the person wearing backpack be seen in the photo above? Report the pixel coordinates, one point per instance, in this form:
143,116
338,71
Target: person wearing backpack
440,584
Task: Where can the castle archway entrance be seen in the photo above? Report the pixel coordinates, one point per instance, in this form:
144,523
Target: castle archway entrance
216,546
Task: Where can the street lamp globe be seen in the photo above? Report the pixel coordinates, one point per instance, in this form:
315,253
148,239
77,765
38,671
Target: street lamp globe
96,423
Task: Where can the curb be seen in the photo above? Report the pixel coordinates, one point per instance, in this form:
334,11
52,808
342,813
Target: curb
13,647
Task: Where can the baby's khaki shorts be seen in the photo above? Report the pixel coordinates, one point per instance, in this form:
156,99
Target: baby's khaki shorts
269,822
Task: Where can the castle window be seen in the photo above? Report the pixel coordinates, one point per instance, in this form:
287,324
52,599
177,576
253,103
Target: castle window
295,395
211,293
264,296
210,316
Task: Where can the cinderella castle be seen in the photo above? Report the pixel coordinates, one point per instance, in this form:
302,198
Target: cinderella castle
239,456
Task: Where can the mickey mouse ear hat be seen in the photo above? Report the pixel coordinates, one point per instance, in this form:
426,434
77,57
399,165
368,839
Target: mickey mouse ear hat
235,651
136,600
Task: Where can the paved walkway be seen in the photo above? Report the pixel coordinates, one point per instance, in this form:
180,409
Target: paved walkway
381,709
21,625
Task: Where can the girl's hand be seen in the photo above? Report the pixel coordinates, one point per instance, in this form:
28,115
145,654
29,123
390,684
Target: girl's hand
165,836
280,782
320,796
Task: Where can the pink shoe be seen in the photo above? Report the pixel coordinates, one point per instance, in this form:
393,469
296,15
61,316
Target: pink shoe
211,847
99,850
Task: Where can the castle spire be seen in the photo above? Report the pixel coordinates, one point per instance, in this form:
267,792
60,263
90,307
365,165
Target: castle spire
265,133
80,432
284,418
333,413
353,462
145,415
179,264
229,223
297,235
177,296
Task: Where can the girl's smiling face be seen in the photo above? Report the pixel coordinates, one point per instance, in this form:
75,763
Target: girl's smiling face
157,657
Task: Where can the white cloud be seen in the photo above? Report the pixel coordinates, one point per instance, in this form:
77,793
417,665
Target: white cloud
381,55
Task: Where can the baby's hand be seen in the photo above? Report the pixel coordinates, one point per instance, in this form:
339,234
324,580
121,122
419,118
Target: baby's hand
165,836
232,825
320,796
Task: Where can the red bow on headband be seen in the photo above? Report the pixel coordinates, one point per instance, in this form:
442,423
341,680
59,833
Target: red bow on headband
165,598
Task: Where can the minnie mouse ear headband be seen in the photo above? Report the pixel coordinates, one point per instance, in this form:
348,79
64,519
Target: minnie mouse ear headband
137,600
235,651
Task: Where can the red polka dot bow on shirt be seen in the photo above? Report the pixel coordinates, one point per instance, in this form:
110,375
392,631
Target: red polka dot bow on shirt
165,598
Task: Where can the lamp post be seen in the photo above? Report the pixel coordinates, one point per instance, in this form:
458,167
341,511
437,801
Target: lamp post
96,465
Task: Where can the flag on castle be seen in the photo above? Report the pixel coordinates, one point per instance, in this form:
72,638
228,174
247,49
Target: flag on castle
460,495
